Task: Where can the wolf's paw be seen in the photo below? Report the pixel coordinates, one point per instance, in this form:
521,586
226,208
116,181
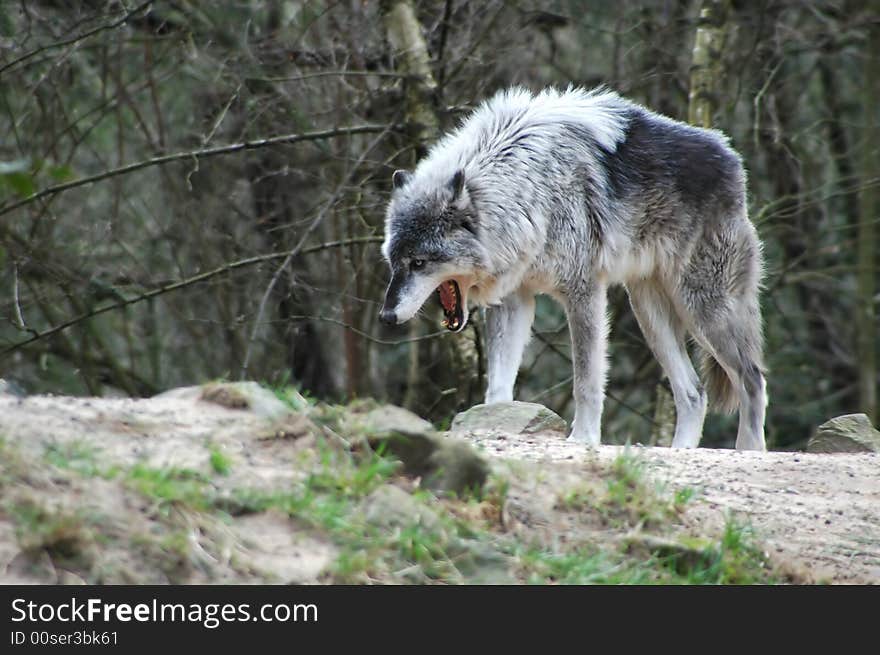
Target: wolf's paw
585,439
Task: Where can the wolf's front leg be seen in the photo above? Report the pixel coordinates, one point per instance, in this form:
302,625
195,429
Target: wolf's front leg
508,328
588,327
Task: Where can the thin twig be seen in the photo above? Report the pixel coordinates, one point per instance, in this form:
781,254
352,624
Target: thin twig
608,394
195,154
19,316
307,76
293,252
181,284
75,39
222,115
367,336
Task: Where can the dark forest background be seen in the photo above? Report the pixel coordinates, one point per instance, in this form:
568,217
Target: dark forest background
196,190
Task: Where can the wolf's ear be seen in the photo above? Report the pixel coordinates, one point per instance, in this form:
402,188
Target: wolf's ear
456,184
400,178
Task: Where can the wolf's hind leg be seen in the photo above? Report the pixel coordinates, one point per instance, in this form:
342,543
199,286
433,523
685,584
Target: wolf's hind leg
508,328
732,338
665,334
588,326
720,292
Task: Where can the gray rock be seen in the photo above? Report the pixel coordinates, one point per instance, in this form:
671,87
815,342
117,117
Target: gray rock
851,433
445,464
514,417
456,467
390,418
481,563
392,507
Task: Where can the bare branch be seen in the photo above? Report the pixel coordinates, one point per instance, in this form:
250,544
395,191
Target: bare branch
196,154
181,284
77,38
540,337
296,249
341,73
370,337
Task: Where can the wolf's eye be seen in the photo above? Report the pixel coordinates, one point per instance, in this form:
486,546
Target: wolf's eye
417,264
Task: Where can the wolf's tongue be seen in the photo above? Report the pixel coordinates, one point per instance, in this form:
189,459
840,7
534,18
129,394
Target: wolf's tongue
447,296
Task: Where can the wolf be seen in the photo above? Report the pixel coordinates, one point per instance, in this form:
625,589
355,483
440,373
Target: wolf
565,192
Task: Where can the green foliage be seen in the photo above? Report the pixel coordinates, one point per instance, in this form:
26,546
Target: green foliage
171,486
22,178
75,456
732,559
682,497
629,497
220,462
582,566
64,535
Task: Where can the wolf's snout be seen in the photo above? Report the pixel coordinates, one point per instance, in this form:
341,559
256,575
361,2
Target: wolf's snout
388,317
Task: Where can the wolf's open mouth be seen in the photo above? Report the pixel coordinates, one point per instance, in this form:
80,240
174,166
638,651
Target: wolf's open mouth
450,300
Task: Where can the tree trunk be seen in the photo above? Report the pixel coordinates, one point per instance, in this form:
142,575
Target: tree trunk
869,210
441,372
706,63
274,196
411,58
663,428
799,219
707,74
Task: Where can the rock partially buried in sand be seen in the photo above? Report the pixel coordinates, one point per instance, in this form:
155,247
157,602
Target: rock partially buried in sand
851,433
392,507
444,464
390,418
514,417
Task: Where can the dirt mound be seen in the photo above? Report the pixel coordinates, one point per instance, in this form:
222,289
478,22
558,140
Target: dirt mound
236,485
819,513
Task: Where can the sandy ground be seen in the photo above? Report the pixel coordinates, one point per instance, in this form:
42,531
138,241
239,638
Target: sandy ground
174,431
817,513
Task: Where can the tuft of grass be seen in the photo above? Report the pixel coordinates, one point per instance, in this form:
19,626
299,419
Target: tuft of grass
682,497
74,456
629,497
331,499
63,534
578,499
349,477
352,566
169,551
443,424
171,486
579,566
220,463
732,559
295,397
738,559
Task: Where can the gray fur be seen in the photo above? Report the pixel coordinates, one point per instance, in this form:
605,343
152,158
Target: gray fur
565,193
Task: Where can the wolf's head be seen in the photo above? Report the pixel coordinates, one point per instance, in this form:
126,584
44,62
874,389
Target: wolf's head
431,244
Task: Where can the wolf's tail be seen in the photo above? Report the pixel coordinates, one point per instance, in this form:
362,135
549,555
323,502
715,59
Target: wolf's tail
722,395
